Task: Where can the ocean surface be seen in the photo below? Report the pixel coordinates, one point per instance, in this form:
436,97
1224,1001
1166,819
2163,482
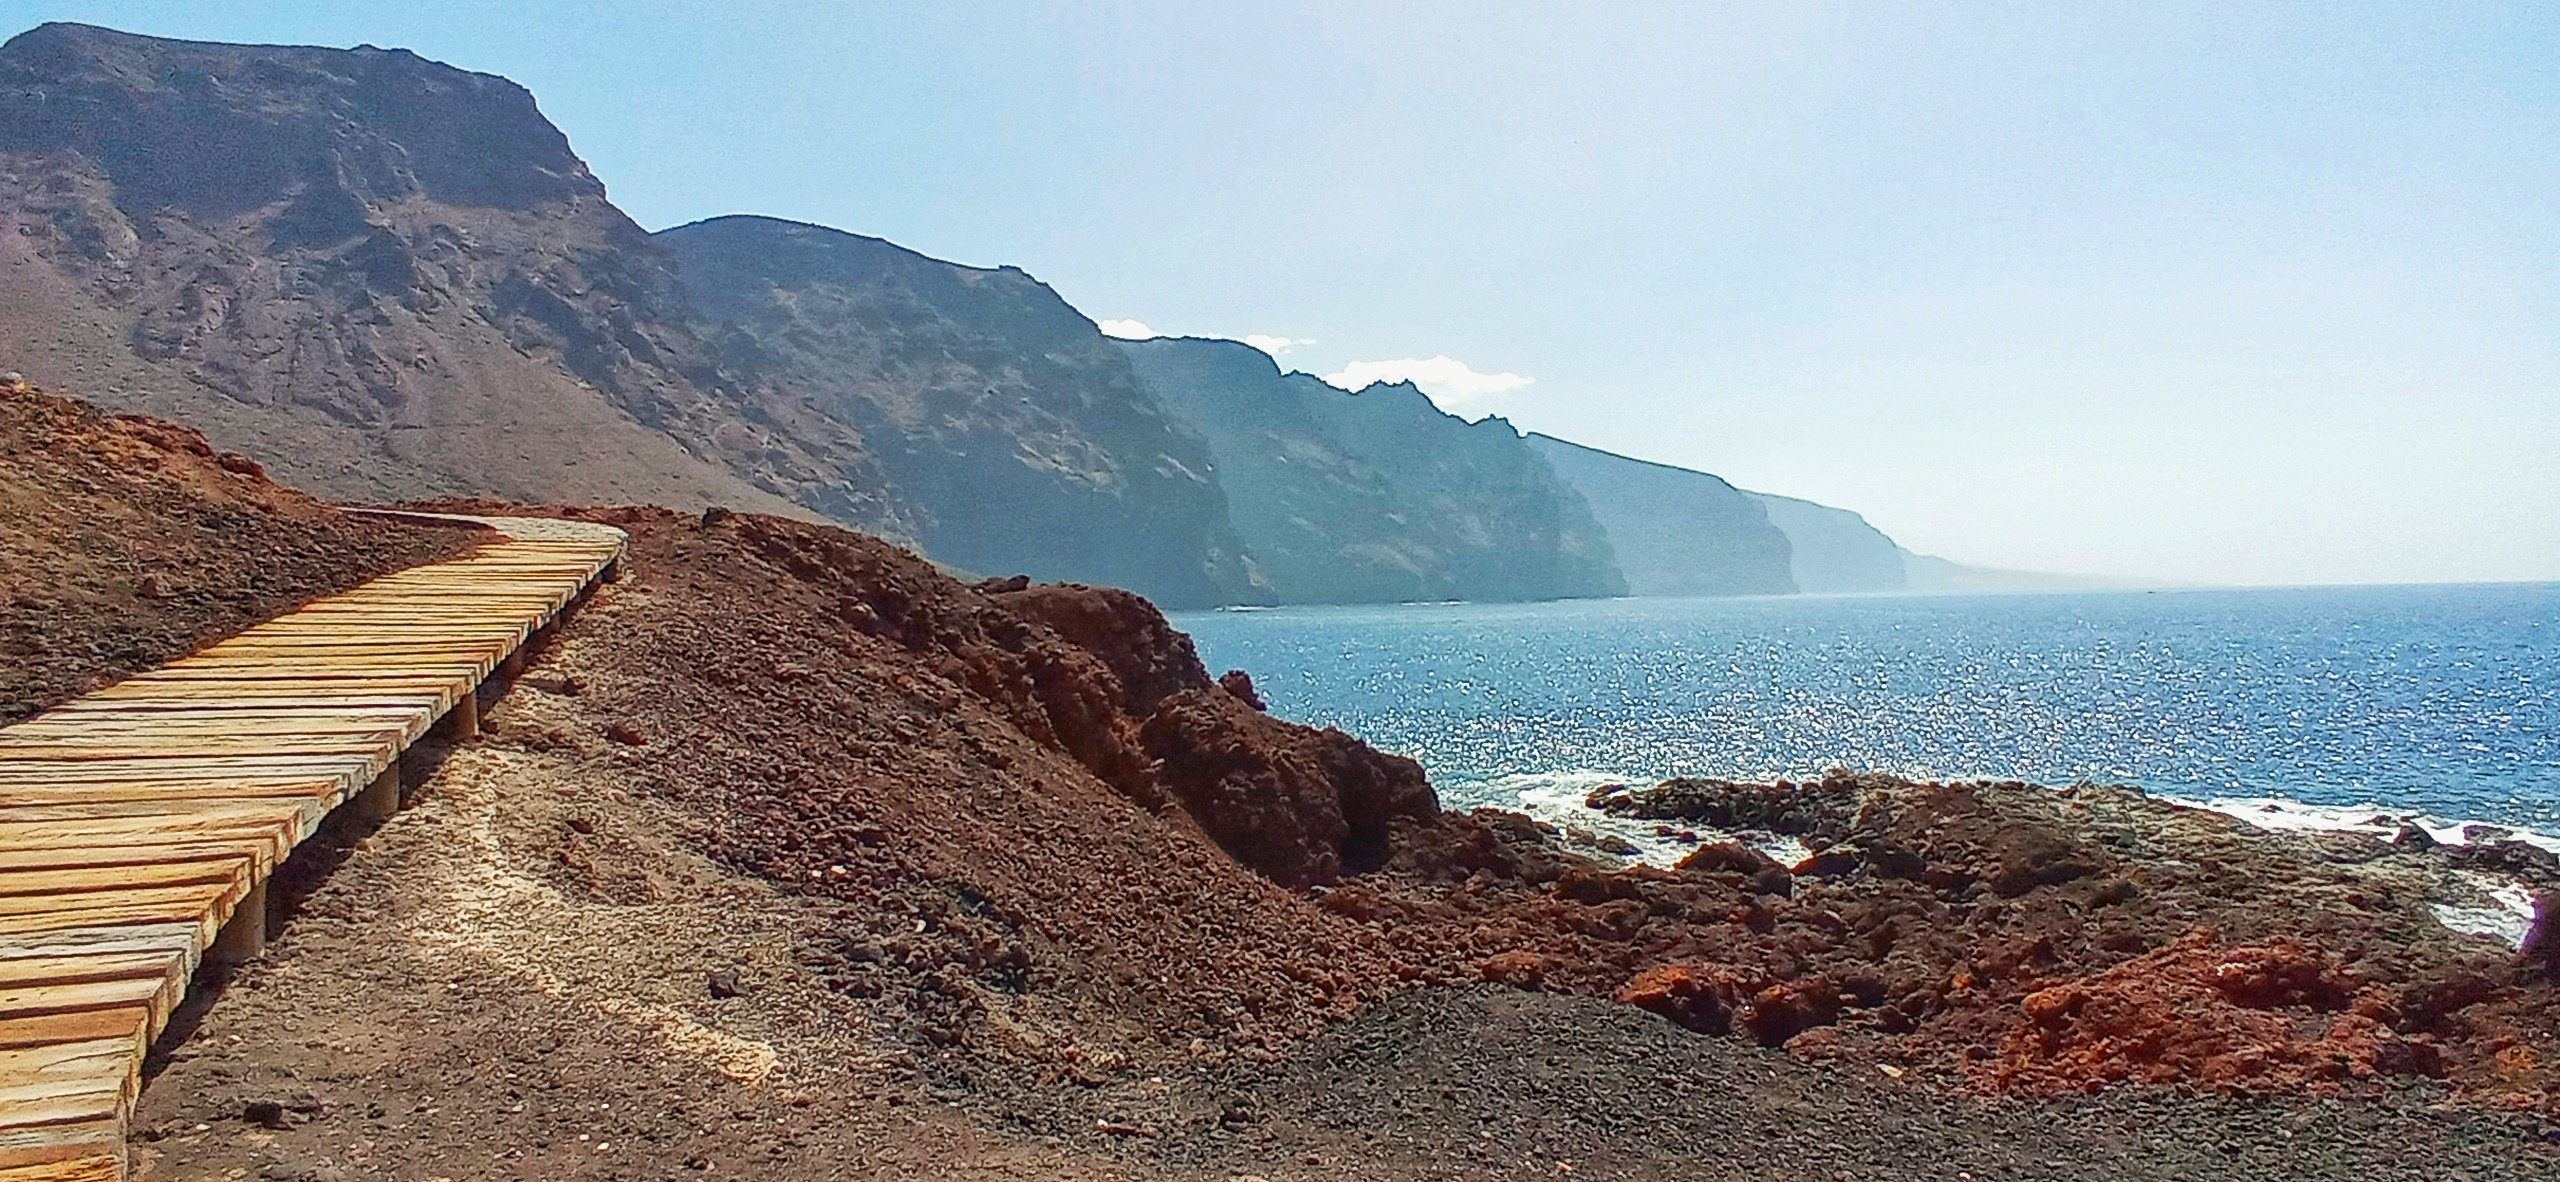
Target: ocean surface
2442,701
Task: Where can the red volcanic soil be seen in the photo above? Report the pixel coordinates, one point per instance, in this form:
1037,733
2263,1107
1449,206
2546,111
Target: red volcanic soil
129,542
1047,833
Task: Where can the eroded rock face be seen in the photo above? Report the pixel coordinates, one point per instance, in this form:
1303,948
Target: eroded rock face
1010,433
1378,496
1675,531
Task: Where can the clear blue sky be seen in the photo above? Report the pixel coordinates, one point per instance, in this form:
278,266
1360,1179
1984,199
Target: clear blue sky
2257,293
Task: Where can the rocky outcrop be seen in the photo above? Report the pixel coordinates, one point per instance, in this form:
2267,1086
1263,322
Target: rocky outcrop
2280,1014
1675,531
2000,934
1301,806
1376,496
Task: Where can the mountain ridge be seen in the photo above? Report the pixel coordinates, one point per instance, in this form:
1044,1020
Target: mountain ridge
1676,531
394,278
312,254
1377,494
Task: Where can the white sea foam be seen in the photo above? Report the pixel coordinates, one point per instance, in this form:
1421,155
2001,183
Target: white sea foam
2503,910
1557,799
2279,814
2508,915
2506,910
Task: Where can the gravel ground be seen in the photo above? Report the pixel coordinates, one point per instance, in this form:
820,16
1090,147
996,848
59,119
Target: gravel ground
1493,1082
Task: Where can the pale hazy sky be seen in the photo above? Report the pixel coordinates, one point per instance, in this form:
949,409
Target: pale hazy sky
2259,293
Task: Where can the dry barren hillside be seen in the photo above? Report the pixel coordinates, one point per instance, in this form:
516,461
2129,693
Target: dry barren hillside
129,542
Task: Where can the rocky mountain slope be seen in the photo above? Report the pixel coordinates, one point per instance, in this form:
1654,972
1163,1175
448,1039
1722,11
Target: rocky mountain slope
1674,531
381,275
1007,431
390,277
1377,495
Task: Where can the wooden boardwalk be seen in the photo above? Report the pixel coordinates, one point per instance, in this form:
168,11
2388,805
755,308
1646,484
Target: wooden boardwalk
138,825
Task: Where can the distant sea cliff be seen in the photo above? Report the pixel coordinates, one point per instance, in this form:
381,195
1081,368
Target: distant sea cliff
387,277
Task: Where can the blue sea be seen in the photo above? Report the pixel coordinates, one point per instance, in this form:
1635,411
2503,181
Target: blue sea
2438,700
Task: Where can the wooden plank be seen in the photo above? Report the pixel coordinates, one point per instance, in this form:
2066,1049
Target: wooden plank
215,716
119,911
36,826
65,826
101,966
182,940
136,821
34,1104
260,854
65,1082
395,731
176,791
180,766
172,902
134,1022
71,997
91,1166
62,1152
194,694
111,748
96,878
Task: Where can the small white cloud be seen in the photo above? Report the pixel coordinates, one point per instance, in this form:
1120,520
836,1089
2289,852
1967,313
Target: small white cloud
1449,381
1139,330
1275,346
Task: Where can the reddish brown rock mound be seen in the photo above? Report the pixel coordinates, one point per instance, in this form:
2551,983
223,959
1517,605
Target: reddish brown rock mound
131,542
1040,827
2277,1015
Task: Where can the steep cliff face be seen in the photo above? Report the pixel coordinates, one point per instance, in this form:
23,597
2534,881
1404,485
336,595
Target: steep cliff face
1012,436
1834,550
387,277
1376,496
382,275
1675,531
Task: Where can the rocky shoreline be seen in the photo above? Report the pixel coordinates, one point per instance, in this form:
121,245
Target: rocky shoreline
2011,938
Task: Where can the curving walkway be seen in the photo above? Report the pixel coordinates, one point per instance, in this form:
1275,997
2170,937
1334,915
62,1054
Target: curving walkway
139,824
